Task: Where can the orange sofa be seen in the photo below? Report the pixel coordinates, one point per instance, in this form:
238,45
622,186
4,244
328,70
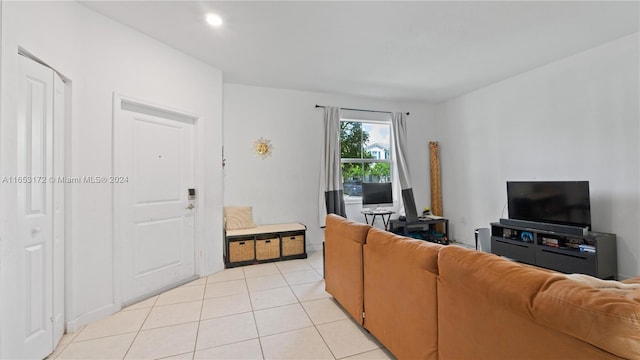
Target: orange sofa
428,301
343,263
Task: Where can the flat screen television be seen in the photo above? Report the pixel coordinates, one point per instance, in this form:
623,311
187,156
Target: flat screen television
376,195
555,202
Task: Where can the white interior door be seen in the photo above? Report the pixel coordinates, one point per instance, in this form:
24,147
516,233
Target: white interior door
154,149
35,205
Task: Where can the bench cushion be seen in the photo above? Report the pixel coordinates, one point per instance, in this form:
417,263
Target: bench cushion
267,229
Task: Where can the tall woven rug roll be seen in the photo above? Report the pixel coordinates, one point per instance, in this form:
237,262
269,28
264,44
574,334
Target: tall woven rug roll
436,188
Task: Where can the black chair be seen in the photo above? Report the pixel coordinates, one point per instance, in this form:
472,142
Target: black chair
409,205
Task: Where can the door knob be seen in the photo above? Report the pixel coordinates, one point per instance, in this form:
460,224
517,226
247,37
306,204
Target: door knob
35,231
190,207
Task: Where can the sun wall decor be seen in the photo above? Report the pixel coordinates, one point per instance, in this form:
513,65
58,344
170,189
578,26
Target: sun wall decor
263,147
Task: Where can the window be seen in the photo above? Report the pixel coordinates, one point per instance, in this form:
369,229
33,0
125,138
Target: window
365,149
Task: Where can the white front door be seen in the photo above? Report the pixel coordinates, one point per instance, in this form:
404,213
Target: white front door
35,205
155,219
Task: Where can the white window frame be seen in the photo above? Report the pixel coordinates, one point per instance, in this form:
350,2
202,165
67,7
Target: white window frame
390,160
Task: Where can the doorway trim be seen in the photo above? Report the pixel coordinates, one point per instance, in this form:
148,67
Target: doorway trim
153,108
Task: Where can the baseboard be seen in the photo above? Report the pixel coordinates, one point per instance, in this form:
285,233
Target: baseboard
84,319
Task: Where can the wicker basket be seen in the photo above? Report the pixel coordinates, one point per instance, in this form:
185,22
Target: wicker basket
268,248
241,250
292,245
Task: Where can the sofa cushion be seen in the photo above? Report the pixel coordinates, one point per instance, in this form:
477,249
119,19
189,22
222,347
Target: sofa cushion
343,263
486,310
516,283
608,319
400,294
635,280
617,287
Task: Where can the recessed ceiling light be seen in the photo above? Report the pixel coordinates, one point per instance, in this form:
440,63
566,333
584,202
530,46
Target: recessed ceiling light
214,20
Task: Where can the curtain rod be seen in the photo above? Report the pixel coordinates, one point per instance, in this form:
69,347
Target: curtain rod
375,111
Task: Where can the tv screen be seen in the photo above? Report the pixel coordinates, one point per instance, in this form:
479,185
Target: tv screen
376,195
556,202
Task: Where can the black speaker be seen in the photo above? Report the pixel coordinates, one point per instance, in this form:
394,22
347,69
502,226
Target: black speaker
563,229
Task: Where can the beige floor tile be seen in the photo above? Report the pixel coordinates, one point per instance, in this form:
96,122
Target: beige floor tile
225,305
293,265
273,297
316,264
281,319
56,352
298,344
111,347
319,270
311,253
302,277
225,288
164,342
244,350
67,338
118,323
144,304
316,260
226,330
325,310
185,356
260,270
379,354
201,281
310,291
226,275
266,282
173,314
181,294
346,338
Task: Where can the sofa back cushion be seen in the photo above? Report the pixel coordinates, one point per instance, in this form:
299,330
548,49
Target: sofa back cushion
488,309
400,294
609,318
343,241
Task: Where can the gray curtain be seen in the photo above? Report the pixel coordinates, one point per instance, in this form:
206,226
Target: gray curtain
331,191
399,125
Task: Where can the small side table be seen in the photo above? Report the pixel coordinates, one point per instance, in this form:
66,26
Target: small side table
376,213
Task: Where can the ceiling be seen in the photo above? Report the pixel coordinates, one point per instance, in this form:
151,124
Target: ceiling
427,51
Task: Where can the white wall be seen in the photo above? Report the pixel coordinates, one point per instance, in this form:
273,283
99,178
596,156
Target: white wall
284,187
100,57
575,119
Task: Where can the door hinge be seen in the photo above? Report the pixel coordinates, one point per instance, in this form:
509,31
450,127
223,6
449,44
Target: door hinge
363,314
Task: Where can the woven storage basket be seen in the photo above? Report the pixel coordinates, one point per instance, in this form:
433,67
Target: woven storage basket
241,250
268,248
292,245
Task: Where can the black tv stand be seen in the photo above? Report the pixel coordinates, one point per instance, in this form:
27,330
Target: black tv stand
590,253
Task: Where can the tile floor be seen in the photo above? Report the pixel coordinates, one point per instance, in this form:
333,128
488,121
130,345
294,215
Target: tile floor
267,311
